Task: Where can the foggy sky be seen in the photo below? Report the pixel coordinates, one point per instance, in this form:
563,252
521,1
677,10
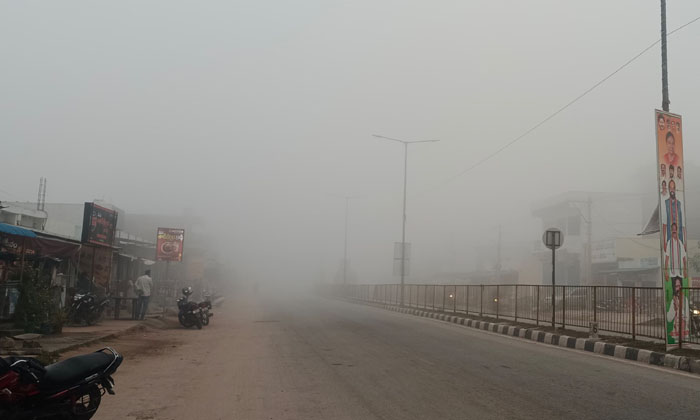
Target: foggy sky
258,115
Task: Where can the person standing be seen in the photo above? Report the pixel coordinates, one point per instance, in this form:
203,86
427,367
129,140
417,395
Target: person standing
143,287
674,214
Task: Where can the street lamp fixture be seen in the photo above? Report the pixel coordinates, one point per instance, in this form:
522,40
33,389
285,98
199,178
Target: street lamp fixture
403,229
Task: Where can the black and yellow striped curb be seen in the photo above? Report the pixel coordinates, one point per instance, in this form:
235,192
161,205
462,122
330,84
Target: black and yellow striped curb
683,363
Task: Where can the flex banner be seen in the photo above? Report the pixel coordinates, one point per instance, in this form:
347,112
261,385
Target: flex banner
672,225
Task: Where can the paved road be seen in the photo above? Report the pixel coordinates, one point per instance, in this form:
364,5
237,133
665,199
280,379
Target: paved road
323,359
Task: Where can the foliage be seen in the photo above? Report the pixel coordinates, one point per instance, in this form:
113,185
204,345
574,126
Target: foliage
37,309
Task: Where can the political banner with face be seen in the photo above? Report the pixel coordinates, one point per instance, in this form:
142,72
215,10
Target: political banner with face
672,225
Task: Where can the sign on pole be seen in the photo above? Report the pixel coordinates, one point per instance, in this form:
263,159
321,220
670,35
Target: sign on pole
552,238
398,252
670,172
169,244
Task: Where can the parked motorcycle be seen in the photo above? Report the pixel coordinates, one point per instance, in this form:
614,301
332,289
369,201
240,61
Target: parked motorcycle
71,389
695,319
189,313
207,313
87,308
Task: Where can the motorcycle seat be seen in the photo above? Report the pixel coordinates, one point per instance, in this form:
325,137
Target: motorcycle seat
74,370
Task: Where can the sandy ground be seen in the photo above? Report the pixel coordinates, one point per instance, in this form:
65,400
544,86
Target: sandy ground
322,359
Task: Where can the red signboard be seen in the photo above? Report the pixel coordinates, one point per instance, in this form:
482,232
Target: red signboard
169,244
99,224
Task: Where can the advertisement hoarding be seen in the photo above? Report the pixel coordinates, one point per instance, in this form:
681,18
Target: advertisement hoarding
99,224
672,225
169,244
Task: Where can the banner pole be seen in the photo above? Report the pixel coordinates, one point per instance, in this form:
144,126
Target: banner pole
167,271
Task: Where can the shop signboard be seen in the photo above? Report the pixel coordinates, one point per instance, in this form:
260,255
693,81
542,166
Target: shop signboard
169,244
99,224
603,252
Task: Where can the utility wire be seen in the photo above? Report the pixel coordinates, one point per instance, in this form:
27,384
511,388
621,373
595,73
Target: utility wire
557,112
9,194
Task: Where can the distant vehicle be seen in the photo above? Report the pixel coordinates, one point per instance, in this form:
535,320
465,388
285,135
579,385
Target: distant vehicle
576,298
695,318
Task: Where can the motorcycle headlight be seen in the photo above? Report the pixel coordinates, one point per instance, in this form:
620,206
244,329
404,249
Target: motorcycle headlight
696,312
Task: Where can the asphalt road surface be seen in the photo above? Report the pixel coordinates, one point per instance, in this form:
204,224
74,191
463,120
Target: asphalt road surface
324,359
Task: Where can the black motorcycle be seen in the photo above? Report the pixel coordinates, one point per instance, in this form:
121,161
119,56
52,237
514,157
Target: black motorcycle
71,389
87,308
695,319
207,312
189,313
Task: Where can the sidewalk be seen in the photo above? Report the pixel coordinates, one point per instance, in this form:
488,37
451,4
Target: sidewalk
72,337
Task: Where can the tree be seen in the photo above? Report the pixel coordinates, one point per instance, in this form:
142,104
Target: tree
37,310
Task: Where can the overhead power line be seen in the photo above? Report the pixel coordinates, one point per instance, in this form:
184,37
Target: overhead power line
557,112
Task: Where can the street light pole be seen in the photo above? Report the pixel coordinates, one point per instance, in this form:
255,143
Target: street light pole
345,239
403,227
405,183
345,250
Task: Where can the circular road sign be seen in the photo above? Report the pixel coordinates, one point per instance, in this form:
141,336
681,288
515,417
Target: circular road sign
552,238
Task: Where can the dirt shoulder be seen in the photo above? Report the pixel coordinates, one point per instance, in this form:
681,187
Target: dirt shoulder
153,338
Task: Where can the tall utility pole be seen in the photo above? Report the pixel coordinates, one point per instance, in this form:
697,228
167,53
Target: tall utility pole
665,102
403,228
498,257
589,239
345,249
345,240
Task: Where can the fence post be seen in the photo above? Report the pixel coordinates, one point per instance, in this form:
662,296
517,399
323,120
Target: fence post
516,303
595,303
425,296
537,322
634,313
481,301
563,308
434,294
498,299
444,289
454,301
466,306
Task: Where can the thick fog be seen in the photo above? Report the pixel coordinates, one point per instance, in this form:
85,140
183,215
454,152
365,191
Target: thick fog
258,117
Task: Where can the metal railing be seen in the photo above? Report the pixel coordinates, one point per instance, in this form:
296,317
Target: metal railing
632,311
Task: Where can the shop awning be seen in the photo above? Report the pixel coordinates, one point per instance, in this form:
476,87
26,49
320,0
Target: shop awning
35,246
16,230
